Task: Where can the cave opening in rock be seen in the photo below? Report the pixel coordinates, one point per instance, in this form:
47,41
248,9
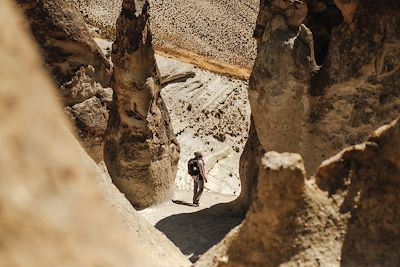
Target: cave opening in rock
322,17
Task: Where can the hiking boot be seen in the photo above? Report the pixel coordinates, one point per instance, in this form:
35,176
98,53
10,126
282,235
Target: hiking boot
196,204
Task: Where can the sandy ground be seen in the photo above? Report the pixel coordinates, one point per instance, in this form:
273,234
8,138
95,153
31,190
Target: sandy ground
193,230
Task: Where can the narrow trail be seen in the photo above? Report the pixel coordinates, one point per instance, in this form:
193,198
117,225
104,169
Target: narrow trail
193,230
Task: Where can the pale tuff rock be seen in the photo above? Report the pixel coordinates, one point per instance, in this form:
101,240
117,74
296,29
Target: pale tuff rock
140,150
357,88
346,215
349,214
65,41
84,86
161,250
57,207
88,105
290,222
279,85
250,161
317,110
209,112
365,180
51,212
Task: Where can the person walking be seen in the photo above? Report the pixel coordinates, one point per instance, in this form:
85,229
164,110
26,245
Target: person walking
196,168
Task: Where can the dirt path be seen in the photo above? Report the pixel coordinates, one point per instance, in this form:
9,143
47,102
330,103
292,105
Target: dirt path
193,230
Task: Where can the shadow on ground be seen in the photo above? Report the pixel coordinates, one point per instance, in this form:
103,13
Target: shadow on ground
195,233
184,203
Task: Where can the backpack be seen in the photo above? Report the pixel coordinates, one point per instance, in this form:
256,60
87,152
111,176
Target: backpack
193,167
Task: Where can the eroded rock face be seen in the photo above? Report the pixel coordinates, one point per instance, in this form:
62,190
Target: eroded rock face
366,180
65,41
57,207
317,110
346,215
279,84
141,151
357,88
250,161
287,221
51,210
88,105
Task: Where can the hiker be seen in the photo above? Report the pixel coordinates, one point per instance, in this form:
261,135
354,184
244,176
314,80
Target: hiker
197,170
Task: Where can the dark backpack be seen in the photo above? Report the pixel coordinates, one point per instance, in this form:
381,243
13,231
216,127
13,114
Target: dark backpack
193,167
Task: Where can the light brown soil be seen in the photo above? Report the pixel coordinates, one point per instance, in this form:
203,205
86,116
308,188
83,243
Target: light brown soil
193,230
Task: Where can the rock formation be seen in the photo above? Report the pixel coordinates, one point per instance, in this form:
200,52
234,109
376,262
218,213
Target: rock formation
140,150
65,41
249,165
57,207
88,105
317,110
364,181
357,88
346,215
279,84
51,213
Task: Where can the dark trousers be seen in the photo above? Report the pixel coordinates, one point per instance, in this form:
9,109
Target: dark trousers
198,190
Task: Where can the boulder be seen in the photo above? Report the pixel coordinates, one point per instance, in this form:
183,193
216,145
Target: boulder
140,150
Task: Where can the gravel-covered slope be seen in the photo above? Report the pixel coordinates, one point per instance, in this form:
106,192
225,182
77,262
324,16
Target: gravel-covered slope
219,30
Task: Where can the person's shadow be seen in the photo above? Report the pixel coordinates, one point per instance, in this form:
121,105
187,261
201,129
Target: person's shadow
181,202
195,233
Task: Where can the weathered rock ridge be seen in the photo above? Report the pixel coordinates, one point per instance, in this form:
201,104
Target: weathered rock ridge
52,211
65,41
345,215
141,151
